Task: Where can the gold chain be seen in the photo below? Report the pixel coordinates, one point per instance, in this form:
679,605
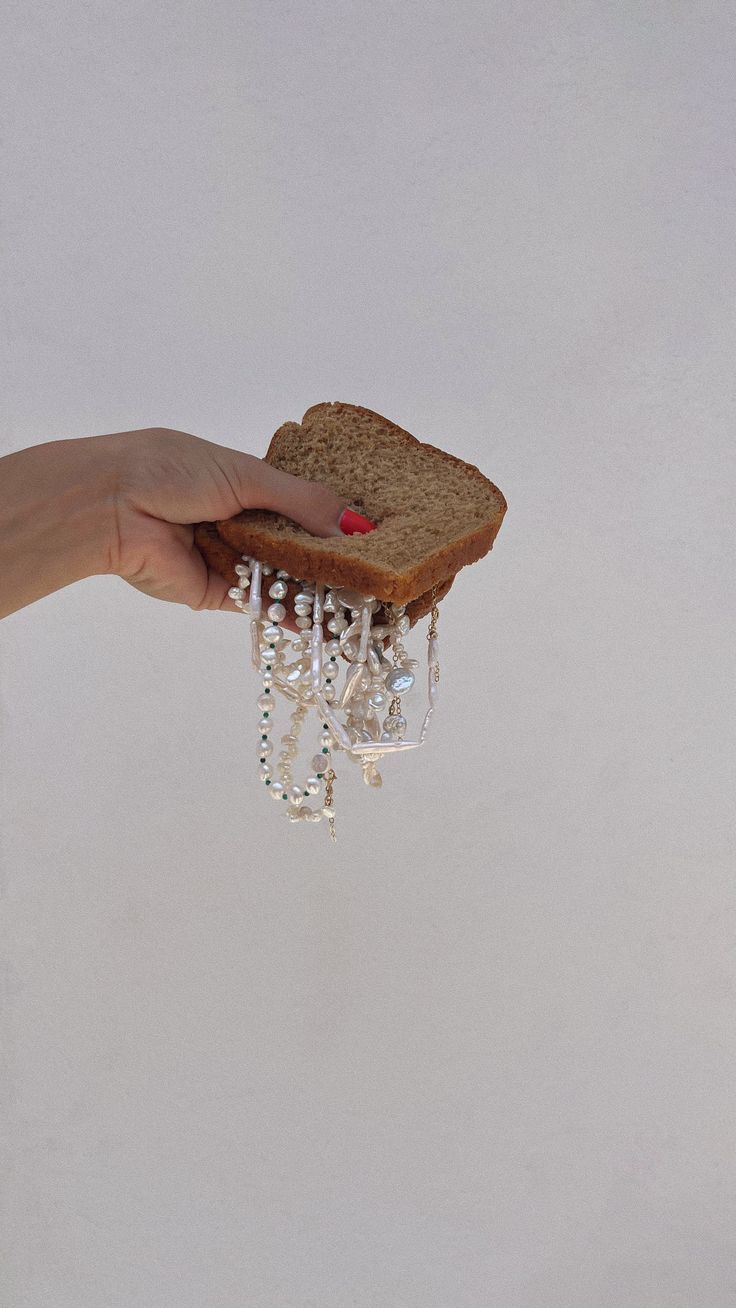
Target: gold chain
330,776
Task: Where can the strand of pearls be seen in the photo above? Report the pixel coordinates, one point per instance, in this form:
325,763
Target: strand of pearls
370,700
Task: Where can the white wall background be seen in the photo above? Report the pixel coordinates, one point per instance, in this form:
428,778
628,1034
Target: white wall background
481,1052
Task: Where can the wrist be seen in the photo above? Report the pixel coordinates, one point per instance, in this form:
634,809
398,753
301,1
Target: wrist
57,517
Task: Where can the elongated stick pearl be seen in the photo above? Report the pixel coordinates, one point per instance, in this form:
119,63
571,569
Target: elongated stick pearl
319,601
366,614
255,644
316,656
254,593
433,660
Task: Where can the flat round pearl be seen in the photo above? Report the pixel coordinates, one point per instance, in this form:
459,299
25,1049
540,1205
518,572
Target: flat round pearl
278,590
276,790
399,680
394,723
276,612
377,700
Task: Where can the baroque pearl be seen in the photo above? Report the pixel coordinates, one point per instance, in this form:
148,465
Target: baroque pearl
399,680
278,590
235,593
276,612
271,633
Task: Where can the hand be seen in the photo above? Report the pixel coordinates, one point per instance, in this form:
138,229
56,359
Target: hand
169,480
126,504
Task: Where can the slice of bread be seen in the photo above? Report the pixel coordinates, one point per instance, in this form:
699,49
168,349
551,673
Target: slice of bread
435,513
222,558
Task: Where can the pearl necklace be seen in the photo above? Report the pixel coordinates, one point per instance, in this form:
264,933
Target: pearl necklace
310,681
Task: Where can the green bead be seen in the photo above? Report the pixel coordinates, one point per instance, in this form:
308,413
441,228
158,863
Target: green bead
325,750
284,796
268,781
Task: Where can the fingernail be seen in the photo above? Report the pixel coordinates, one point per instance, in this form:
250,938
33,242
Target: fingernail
352,522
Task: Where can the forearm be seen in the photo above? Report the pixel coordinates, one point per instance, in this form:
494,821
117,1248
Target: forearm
56,517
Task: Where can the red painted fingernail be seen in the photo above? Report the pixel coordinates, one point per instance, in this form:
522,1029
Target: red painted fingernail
352,522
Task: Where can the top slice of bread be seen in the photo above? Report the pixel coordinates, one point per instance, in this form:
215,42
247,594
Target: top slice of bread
435,513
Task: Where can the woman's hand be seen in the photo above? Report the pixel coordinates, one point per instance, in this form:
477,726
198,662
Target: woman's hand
126,504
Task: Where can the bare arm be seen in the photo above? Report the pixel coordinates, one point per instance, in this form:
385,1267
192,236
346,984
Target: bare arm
125,504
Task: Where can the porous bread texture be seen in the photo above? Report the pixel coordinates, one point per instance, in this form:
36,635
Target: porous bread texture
222,558
435,513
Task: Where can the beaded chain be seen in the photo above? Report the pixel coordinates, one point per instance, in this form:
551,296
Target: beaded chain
373,686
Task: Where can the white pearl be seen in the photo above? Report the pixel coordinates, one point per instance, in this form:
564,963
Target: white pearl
336,625
271,633
264,771
314,817
304,597
403,625
266,570
302,610
282,573
377,700
328,811
399,681
266,724
276,612
321,762
303,622
332,647
296,794
235,593
242,569
265,748
328,694
278,590
312,785
277,790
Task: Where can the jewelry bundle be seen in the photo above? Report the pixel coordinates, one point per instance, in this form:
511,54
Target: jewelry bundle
363,719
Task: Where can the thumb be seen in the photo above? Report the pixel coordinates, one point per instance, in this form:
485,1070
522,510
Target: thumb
317,508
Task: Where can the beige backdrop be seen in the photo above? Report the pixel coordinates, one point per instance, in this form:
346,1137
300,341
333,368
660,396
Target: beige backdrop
482,1051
